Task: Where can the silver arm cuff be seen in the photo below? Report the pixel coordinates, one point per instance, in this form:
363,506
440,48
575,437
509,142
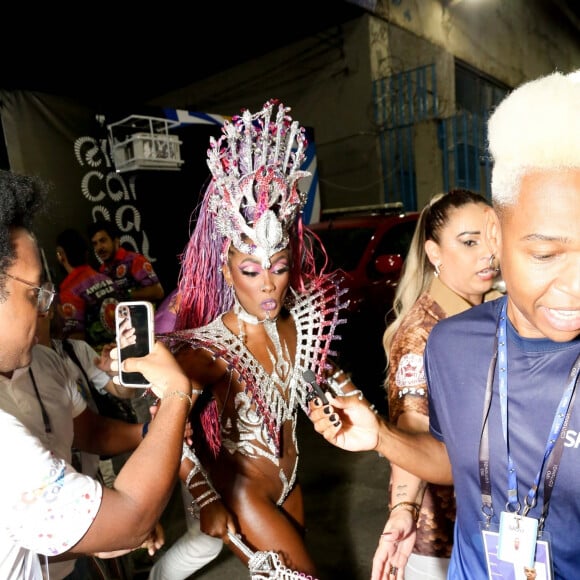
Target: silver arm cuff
208,496
336,387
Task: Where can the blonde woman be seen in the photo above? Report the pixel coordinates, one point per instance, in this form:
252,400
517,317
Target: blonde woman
449,268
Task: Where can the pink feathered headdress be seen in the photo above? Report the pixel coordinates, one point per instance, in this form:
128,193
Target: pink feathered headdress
252,202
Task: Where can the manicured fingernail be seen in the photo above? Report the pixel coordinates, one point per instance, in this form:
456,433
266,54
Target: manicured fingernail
336,423
326,410
317,402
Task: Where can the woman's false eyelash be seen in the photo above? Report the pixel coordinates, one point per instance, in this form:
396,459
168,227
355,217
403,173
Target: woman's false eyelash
277,271
281,270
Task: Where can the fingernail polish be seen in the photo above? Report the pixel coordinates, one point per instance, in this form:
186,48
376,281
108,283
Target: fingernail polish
326,410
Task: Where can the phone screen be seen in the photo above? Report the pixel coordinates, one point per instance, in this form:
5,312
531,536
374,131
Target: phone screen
134,324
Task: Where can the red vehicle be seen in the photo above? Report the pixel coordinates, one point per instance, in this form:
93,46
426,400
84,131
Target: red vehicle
369,244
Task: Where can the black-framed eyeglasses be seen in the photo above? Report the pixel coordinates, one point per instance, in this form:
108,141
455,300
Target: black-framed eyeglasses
45,293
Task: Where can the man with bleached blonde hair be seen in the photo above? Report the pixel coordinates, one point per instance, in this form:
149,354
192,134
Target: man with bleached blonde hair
504,426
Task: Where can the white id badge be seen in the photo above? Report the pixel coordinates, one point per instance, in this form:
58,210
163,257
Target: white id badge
517,538
501,570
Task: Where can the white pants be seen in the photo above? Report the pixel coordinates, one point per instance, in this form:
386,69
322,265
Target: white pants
188,553
426,568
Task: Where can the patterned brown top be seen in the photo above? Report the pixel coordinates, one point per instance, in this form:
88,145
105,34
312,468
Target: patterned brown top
407,391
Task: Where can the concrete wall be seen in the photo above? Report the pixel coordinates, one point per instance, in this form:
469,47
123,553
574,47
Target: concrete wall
512,41
428,164
327,79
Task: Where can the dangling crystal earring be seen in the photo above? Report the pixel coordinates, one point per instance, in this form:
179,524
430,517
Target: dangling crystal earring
491,263
237,312
437,270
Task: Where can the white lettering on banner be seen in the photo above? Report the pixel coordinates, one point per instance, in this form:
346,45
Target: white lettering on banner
128,217
88,181
117,188
110,194
92,152
100,212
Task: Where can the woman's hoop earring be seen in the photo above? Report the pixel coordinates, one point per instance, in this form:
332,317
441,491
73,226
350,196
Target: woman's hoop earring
492,263
437,270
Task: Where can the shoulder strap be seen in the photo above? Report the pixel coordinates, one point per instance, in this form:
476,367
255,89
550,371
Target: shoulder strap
107,404
68,348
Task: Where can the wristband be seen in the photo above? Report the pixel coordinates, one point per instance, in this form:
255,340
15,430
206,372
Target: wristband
410,506
145,429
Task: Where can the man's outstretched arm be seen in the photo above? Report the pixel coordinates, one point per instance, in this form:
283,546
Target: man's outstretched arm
350,423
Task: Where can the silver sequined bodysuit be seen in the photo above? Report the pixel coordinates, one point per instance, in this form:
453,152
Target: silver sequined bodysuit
269,400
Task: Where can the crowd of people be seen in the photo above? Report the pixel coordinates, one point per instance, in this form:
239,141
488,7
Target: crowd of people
482,476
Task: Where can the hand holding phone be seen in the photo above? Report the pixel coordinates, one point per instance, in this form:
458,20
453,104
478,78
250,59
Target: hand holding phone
134,324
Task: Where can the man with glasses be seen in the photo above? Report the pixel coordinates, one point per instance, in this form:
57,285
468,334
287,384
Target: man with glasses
45,293
46,507
54,400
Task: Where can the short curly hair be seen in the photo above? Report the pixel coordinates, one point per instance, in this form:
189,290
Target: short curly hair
21,199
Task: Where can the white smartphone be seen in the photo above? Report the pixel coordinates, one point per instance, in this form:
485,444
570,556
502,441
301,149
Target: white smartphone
134,325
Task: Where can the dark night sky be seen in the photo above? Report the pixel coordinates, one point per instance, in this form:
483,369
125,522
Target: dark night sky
104,57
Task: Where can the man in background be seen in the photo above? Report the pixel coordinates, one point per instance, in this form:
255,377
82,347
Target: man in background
133,275
132,272
87,298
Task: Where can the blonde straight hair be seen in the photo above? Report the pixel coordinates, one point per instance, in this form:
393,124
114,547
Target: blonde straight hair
417,272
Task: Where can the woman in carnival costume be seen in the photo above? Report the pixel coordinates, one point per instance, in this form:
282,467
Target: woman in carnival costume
253,332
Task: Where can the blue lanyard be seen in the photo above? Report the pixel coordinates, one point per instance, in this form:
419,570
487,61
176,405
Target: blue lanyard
554,445
561,414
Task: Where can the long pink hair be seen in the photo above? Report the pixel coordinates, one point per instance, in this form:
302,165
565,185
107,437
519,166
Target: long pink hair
204,294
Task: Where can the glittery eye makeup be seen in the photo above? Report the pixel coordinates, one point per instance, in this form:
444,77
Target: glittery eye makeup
252,269
280,267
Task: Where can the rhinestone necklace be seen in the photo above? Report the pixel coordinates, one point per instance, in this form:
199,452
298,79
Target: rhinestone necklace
280,356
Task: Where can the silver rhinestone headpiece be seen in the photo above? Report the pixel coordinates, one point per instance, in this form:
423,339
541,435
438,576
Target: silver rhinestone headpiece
255,166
